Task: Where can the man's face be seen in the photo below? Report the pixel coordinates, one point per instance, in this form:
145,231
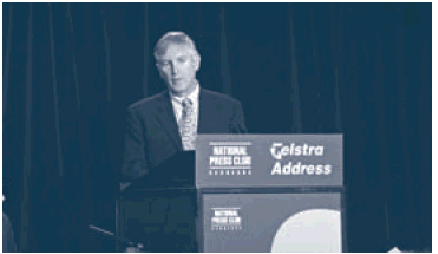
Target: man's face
177,67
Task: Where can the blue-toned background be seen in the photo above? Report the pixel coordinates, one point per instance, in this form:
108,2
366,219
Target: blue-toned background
70,69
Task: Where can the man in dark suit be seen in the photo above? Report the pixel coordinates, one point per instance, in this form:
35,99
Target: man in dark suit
165,125
155,124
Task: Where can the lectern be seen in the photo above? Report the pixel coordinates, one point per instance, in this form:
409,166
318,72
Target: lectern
265,193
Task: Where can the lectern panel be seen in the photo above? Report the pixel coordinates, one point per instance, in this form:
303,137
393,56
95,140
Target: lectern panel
264,223
260,161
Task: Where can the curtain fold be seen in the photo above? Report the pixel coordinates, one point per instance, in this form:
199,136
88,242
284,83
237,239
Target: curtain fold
26,206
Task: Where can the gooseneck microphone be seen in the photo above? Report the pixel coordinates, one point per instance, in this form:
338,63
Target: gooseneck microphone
111,234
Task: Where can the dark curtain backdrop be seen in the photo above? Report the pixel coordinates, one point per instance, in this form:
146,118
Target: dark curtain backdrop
71,69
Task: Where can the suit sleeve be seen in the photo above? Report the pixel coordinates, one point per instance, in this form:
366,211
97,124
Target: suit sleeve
238,121
135,162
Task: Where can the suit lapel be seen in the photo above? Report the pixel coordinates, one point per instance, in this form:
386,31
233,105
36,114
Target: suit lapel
167,118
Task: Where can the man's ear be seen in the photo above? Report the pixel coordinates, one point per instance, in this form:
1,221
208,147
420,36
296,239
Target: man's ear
160,72
197,59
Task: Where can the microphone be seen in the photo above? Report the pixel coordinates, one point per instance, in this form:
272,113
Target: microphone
111,234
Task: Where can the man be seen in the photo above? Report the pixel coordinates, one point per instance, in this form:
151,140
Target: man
165,125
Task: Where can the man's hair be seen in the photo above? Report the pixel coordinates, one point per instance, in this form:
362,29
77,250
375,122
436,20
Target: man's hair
179,38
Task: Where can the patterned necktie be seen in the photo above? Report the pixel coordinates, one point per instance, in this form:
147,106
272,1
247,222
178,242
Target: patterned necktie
188,128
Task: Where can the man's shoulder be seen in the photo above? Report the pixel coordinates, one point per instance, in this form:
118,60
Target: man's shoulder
148,101
219,96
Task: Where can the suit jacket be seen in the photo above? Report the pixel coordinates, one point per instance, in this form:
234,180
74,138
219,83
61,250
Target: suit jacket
164,221
152,135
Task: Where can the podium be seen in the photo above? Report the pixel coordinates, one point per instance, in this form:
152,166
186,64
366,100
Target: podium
259,193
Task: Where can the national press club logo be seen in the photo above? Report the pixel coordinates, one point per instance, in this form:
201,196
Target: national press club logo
229,159
224,219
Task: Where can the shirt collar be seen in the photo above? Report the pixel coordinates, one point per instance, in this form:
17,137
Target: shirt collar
193,96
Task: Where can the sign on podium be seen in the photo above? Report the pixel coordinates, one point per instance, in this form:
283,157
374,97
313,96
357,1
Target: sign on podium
270,193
